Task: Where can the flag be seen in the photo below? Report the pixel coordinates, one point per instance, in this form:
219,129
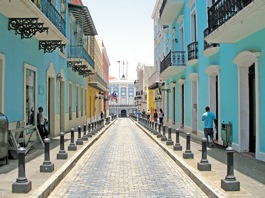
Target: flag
113,96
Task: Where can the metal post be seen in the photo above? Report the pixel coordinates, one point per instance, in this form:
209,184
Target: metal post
79,140
204,165
159,135
47,166
62,154
164,138
177,146
85,137
169,140
89,134
230,183
155,130
188,154
72,146
22,184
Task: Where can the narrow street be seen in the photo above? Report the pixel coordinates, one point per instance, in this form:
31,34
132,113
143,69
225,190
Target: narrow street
125,162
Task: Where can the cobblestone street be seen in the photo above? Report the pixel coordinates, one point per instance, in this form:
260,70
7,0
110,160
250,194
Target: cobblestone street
126,163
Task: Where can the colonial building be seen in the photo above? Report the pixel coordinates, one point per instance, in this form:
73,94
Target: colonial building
47,51
121,98
209,53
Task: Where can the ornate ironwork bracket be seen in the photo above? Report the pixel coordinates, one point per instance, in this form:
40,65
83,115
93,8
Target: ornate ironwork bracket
78,67
26,27
50,46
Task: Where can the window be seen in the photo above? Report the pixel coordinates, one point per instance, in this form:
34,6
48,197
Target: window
123,91
131,91
116,89
30,96
70,91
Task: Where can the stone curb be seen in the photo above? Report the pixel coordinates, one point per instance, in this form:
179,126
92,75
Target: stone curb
47,187
200,182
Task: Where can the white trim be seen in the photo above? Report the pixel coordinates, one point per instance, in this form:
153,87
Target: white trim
50,74
190,3
244,60
260,156
194,101
2,83
181,81
180,19
193,76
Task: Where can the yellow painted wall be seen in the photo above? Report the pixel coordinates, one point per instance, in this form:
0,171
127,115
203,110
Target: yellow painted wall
151,103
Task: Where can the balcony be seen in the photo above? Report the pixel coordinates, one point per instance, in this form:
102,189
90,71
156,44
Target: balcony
97,82
169,11
230,21
29,19
79,53
153,80
172,64
210,48
193,53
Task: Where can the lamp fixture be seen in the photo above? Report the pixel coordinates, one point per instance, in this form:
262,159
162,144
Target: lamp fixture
59,77
173,83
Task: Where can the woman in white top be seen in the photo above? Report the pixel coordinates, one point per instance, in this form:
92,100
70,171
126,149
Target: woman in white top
161,116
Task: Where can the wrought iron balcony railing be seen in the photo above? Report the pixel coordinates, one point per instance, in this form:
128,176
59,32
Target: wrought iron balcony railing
193,51
206,44
52,14
97,78
223,10
78,51
173,58
162,7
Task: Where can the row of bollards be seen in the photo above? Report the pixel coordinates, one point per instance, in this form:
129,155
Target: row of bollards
23,185
228,184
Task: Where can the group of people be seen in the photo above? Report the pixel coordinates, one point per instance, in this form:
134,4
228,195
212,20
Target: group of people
157,116
208,118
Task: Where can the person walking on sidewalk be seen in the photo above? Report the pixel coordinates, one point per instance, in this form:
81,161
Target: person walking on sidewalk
209,117
161,116
148,114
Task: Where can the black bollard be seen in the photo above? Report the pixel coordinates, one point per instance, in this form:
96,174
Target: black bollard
62,154
47,166
164,138
93,129
72,146
177,146
155,130
230,183
169,140
159,135
22,184
188,154
85,138
79,140
204,165
89,134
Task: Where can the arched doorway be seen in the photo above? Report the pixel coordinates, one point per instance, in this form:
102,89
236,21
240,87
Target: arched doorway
123,113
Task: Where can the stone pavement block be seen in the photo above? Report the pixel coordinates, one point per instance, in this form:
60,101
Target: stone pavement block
210,182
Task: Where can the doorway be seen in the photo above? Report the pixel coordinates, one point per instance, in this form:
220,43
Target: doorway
252,109
123,113
62,105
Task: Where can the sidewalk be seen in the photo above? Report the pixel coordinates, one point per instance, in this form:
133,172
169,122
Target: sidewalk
44,183
248,171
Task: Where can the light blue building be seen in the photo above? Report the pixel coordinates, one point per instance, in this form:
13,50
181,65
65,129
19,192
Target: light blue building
210,53
46,53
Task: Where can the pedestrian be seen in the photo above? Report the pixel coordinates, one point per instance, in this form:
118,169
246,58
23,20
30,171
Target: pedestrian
209,117
161,116
143,113
139,113
101,115
148,114
155,116
41,124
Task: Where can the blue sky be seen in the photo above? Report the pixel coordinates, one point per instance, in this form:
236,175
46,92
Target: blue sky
126,27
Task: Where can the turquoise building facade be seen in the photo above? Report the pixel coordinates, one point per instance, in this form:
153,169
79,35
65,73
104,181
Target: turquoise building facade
211,53
46,54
